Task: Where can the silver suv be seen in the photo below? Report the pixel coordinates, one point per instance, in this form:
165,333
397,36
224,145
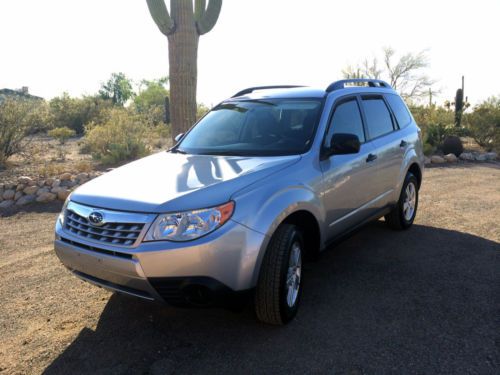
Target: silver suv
266,180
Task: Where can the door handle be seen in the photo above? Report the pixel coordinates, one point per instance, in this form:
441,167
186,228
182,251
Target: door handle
371,157
403,143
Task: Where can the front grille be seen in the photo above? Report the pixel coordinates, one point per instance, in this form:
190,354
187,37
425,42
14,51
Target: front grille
122,234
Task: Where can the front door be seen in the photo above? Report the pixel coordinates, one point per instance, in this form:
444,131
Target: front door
347,190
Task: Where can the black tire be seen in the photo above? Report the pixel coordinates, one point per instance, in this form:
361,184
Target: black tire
396,218
271,304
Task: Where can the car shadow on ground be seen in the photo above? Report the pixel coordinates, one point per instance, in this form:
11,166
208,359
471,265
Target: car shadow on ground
421,301
50,207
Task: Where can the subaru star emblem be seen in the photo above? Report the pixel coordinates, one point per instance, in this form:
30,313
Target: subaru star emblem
96,218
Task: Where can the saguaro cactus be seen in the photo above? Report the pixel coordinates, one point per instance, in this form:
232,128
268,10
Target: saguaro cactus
183,26
459,107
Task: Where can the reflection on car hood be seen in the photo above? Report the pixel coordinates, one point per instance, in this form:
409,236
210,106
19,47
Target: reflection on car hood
167,182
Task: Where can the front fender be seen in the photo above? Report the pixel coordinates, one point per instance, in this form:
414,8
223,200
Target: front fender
264,211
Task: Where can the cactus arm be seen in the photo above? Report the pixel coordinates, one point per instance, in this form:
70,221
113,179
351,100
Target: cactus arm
199,9
209,18
160,15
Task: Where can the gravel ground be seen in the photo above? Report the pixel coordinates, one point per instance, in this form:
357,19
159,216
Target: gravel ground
423,301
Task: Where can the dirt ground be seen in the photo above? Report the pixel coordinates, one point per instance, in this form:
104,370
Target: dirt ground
422,301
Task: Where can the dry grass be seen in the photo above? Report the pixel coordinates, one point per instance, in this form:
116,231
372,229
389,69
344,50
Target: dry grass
45,157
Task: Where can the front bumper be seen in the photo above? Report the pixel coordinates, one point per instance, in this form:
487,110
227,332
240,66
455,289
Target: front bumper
202,271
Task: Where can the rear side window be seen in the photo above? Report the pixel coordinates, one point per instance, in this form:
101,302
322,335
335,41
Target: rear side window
378,117
346,119
399,109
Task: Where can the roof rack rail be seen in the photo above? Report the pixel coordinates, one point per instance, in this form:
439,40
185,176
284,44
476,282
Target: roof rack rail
337,85
252,89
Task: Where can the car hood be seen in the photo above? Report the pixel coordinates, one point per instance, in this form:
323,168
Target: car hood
169,182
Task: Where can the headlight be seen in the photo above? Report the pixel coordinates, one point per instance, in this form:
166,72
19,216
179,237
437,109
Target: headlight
62,215
189,225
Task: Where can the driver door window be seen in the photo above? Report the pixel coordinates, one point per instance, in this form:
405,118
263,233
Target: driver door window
346,119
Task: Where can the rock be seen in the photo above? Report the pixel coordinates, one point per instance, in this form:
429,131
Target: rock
68,183
451,158
49,181
435,159
42,191
82,181
18,195
46,197
427,160
56,189
9,194
466,156
9,186
32,183
6,203
41,183
25,200
82,176
56,183
25,180
491,156
480,157
30,190
63,194
20,187
65,176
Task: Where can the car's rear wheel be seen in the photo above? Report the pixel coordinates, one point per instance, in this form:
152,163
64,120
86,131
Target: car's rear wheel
403,215
278,290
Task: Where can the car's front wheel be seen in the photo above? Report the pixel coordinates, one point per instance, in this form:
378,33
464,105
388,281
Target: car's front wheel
278,290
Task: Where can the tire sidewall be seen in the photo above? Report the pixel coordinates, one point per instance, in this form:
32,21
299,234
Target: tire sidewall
287,312
409,178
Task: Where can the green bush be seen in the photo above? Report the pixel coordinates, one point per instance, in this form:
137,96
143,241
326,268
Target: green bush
75,113
18,119
122,137
62,134
484,123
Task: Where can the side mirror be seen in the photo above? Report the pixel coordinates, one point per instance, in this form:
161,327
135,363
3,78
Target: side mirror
178,137
344,143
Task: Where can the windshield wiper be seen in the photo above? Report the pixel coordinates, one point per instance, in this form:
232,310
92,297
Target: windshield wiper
177,151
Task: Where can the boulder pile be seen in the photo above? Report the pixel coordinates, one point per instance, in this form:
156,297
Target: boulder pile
28,189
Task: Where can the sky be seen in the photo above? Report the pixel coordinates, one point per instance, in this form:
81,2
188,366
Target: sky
53,46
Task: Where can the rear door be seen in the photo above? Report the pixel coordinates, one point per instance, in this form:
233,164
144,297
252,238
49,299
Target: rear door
347,190
382,132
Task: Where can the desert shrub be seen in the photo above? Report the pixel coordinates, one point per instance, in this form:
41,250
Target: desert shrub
428,149
120,138
83,166
452,145
62,134
484,123
75,113
201,110
18,119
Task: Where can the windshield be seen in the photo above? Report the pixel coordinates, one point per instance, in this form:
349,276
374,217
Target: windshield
255,128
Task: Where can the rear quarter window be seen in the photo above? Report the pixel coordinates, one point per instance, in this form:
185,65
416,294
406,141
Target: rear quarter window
399,109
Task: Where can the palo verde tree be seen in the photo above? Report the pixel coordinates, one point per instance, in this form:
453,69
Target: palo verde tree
183,26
